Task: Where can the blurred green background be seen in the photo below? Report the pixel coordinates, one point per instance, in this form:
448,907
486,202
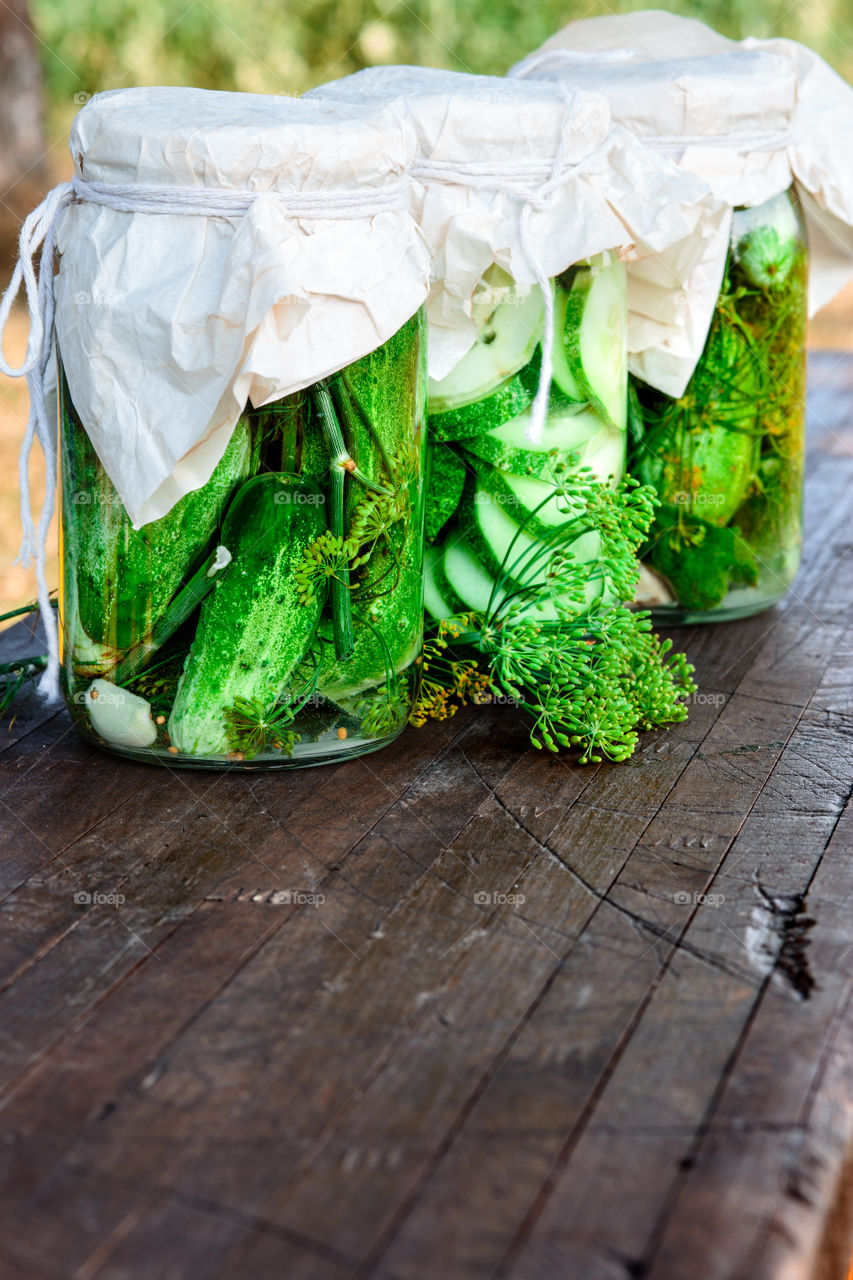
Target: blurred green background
266,46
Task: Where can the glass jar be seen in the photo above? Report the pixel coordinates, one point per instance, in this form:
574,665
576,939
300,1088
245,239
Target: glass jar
274,617
727,457
495,512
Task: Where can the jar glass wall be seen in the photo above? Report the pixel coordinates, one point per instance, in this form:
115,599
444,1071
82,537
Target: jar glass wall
494,505
274,617
727,457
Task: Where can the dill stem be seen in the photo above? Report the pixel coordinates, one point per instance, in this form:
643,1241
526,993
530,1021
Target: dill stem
342,628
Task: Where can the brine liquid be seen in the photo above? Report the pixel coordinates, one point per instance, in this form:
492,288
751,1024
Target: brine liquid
306,648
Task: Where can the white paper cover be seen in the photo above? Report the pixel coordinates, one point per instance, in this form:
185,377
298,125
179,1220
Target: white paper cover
168,323
672,75
615,194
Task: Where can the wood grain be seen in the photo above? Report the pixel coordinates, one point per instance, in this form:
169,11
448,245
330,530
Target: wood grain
531,1021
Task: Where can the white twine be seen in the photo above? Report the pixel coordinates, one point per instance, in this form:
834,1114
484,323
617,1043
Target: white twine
39,233
669,143
211,202
532,183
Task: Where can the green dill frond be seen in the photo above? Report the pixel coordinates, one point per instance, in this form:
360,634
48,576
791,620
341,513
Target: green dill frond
327,557
253,728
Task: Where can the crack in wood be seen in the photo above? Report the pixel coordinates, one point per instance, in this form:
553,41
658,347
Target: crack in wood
658,931
791,924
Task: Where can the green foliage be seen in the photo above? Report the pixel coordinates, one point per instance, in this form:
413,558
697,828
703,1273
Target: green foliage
725,458
598,675
591,682
268,47
254,728
702,561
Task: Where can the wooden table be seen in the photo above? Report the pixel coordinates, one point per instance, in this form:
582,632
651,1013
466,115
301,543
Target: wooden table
518,1018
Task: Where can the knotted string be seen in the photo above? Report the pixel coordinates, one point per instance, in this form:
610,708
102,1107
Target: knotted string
39,233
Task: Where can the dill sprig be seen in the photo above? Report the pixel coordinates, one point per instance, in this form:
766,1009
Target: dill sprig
594,677
593,682
448,683
253,727
18,673
14,676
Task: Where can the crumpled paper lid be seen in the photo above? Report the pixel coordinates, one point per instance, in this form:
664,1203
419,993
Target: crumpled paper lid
616,195
667,57
168,323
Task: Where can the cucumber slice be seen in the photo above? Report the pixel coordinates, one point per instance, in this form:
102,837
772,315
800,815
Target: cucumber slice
566,430
521,462
504,345
603,453
509,552
561,373
434,602
508,402
595,340
445,482
464,580
472,586
511,399
529,496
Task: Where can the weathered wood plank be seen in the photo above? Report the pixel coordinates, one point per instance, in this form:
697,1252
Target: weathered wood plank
404,1080
646,1136
771,1162
426,1218
204,838
106,1038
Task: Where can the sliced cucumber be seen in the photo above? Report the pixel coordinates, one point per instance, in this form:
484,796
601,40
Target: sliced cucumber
511,553
510,401
504,345
603,453
467,581
446,480
595,340
561,373
538,500
566,430
521,462
434,602
464,579
454,602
